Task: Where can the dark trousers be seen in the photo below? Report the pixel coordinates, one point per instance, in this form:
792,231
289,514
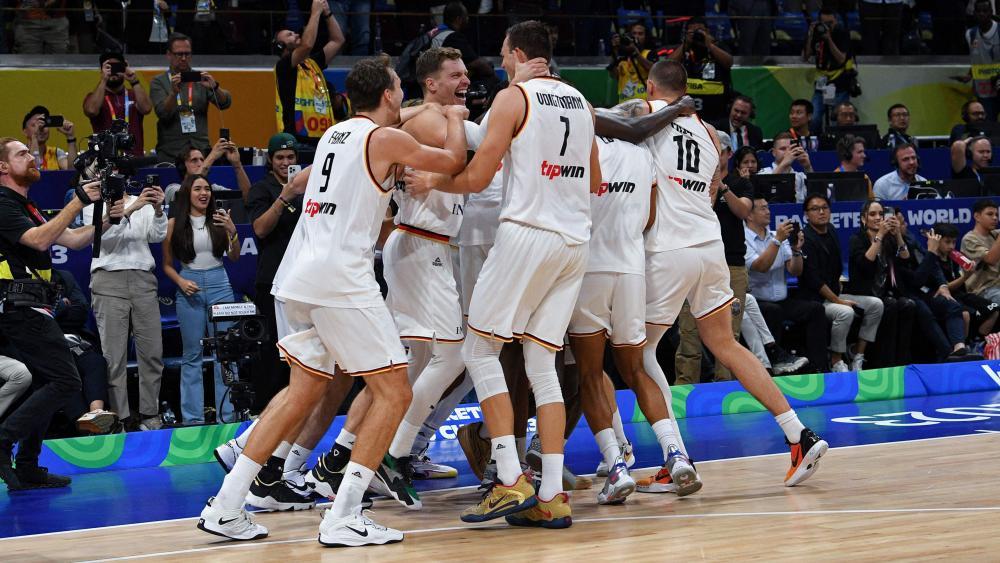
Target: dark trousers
880,28
810,319
93,370
948,314
43,349
270,375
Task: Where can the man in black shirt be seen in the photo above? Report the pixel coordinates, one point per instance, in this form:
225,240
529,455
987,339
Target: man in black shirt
969,157
708,67
830,44
304,97
899,122
26,318
456,18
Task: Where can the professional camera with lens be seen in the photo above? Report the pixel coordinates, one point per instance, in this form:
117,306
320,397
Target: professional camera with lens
698,37
821,28
241,341
107,158
476,92
238,345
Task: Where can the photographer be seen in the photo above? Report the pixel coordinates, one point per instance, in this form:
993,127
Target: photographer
199,243
830,44
112,100
123,286
708,69
36,131
630,62
26,320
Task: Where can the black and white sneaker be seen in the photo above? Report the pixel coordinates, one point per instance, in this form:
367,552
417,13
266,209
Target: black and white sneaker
276,496
324,480
232,524
784,363
227,453
355,530
394,479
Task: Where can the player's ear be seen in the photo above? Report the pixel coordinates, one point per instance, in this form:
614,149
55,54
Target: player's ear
520,56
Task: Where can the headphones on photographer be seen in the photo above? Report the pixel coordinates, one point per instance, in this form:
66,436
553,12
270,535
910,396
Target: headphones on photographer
279,47
845,146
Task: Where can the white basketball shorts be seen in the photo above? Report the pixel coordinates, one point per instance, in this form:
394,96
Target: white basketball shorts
698,274
614,304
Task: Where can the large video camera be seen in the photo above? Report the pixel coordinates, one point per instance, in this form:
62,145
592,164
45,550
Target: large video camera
239,344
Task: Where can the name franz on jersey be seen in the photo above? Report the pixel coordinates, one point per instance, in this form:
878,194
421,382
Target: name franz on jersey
313,207
613,187
563,102
339,137
558,170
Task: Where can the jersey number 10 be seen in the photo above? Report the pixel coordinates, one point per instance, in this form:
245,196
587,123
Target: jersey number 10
688,154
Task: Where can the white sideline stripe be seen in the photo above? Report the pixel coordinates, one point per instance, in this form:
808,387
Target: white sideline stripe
760,456
248,545
993,375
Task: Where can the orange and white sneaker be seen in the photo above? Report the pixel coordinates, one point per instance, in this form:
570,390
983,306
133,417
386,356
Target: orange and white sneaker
805,457
659,483
552,514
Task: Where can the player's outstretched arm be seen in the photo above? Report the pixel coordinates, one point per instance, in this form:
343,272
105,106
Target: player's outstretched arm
632,121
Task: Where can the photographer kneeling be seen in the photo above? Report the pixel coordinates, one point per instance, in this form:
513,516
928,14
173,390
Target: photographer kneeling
26,319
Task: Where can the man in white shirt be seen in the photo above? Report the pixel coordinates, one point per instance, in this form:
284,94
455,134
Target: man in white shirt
785,156
896,184
124,292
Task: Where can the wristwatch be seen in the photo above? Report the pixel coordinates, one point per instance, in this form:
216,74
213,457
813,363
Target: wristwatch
723,190
776,242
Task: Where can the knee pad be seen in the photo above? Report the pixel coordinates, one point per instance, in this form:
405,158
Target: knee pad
445,366
482,358
540,366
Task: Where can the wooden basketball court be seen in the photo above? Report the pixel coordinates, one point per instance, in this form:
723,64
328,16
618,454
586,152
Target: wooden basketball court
926,499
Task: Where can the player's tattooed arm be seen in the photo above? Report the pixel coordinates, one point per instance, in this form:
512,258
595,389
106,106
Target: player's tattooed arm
633,122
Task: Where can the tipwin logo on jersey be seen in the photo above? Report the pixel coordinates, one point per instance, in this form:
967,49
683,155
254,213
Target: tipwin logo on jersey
614,187
313,207
692,185
552,171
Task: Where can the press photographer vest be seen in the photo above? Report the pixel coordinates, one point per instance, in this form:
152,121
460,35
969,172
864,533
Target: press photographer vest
632,79
313,113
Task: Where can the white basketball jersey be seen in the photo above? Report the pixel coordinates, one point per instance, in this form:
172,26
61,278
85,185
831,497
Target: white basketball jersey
547,180
685,158
481,214
330,258
620,208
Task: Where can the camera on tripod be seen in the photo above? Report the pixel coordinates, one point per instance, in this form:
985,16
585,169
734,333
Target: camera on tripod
239,344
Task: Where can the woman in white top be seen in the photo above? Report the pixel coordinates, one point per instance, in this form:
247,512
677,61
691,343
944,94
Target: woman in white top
198,243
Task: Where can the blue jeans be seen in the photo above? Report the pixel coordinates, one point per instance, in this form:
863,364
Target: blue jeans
192,314
819,109
357,30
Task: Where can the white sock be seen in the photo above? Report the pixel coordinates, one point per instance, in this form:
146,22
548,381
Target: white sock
790,425
552,467
666,435
282,450
236,485
403,440
522,447
608,444
618,427
352,489
241,440
297,457
508,466
346,439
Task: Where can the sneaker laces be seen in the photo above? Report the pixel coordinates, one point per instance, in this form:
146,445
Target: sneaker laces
365,515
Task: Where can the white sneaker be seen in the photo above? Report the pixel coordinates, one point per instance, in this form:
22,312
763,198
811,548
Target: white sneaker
355,530
858,363
682,473
227,453
232,524
627,455
618,485
840,367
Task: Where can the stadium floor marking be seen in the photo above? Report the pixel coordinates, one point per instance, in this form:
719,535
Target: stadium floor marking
452,489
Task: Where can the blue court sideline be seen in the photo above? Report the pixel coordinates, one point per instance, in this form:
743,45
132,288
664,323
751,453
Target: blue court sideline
162,493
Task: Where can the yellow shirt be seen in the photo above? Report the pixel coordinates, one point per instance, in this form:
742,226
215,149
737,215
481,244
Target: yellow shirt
632,84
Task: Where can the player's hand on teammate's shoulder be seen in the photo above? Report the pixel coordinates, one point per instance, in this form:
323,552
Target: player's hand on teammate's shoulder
530,69
418,182
687,105
461,111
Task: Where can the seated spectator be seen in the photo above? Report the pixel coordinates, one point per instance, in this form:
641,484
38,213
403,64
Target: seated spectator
769,255
982,245
761,342
193,161
456,19
111,100
15,380
72,312
786,155
36,134
950,314
800,116
630,63
970,156
745,161
851,151
199,246
895,185
708,68
741,132
845,114
834,63
982,312
973,114
820,282
899,122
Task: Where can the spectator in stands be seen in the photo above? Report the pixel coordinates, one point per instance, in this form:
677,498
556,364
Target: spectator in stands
745,161
111,99
192,161
951,315
830,44
306,104
899,122
881,24
760,341
353,18
982,245
15,379
851,152
182,107
845,114
630,62
820,282
741,132
456,20
752,23
199,242
123,288
984,50
274,210
786,155
895,185
708,66
970,156
36,133
71,313
982,312
973,115
800,115
41,27
769,254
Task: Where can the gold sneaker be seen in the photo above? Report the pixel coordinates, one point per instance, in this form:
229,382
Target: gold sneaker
477,450
554,514
501,500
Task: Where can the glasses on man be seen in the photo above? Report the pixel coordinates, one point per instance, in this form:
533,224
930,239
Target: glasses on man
818,208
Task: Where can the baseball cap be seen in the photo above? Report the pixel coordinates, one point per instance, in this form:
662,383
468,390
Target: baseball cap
281,141
37,110
725,141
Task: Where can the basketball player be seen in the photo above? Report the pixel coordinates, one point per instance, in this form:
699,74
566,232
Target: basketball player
532,276
685,261
329,307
